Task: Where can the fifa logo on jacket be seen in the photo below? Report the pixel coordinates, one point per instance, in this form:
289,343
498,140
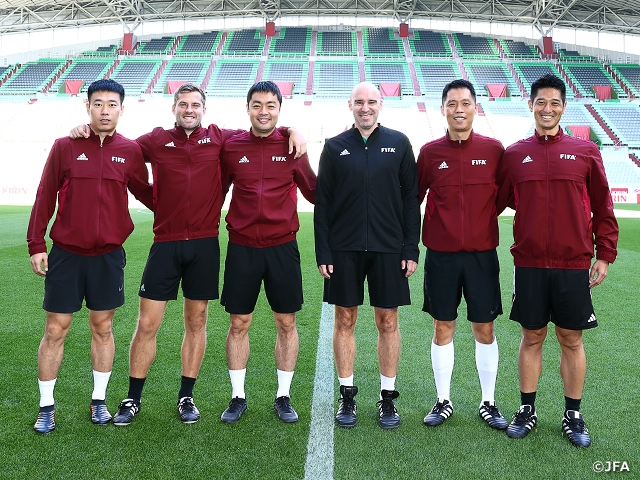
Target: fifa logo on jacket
117,159
204,140
567,156
388,150
278,159
478,162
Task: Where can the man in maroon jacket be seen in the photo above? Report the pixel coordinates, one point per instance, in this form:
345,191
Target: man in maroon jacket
89,180
262,224
558,187
460,231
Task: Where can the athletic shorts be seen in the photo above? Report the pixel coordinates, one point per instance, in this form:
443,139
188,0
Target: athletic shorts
449,275
543,295
195,262
247,267
99,280
388,285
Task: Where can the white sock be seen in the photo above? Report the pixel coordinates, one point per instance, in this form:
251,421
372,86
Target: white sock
387,383
100,382
237,382
284,383
346,381
487,358
46,392
442,358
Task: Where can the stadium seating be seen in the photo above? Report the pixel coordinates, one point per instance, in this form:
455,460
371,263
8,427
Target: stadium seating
88,70
475,47
233,77
379,42
529,72
336,43
204,43
630,75
389,71
244,42
334,78
135,74
623,119
577,114
32,77
156,46
485,73
294,41
182,70
620,170
586,75
572,55
287,71
426,43
433,76
4,71
518,49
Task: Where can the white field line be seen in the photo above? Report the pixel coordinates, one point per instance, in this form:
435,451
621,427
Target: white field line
319,463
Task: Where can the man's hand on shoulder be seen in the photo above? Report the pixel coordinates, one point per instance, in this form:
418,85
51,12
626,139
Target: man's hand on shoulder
40,263
81,131
297,142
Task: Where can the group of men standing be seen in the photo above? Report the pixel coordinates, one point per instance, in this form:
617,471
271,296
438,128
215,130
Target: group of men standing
367,228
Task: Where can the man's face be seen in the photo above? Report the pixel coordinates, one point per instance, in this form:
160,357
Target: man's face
263,110
547,110
365,103
104,109
459,109
189,110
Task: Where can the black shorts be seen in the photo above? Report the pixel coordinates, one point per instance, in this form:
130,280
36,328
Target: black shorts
388,285
245,269
99,280
543,295
449,275
195,262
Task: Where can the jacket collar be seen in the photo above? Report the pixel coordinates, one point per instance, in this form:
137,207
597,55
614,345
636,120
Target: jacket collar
376,131
550,138
460,143
94,137
181,135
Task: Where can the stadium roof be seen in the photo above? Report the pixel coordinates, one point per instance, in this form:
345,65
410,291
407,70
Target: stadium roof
617,16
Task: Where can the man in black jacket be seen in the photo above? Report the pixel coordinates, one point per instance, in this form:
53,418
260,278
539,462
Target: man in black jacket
367,224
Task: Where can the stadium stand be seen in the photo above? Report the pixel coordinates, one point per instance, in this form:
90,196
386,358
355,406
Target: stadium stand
529,72
620,170
32,77
577,114
88,70
572,55
379,42
233,77
623,119
426,43
510,121
630,75
294,41
182,70
475,47
587,75
433,76
106,51
485,73
4,71
335,78
156,46
204,43
244,42
287,71
135,74
389,71
336,43
518,49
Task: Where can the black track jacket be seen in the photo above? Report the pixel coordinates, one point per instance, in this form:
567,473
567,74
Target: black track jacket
367,196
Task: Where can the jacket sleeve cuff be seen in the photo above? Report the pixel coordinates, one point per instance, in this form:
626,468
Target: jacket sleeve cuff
607,255
410,254
37,248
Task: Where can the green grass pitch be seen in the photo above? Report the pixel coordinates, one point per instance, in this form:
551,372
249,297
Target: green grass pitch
157,445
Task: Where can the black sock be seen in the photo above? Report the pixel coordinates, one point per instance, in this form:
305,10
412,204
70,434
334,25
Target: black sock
48,408
186,387
572,404
97,402
528,399
135,388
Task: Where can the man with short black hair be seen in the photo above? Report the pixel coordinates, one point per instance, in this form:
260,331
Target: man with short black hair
557,185
89,179
460,231
262,224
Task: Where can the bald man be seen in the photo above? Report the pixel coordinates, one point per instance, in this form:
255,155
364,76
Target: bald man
367,225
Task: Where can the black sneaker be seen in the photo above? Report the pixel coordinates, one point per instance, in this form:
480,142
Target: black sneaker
99,414
523,421
285,411
127,409
346,415
489,412
188,411
439,413
234,411
46,422
389,417
573,427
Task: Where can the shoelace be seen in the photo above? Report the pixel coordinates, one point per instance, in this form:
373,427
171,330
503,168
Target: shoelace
387,406
187,403
283,403
438,407
348,404
493,410
577,426
521,417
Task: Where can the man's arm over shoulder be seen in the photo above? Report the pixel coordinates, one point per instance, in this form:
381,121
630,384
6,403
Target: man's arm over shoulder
305,178
605,225
150,141
139,179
